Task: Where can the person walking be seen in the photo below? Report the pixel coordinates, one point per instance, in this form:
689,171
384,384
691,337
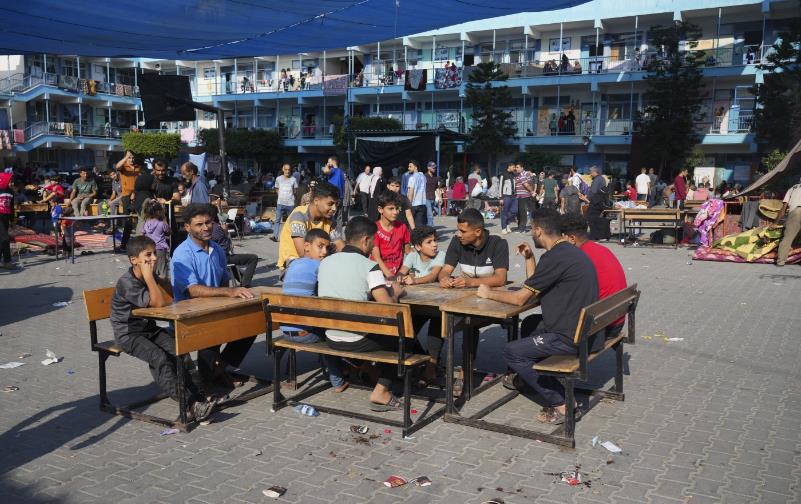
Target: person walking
508,198
287,187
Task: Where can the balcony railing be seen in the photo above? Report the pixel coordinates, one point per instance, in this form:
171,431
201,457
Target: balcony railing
734,121
68,129
19,83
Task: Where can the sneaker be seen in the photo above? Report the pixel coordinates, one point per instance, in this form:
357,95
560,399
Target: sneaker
201,410
505,231
512,382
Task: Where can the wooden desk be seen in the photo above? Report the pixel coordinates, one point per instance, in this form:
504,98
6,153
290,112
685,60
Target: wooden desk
206,322
470,313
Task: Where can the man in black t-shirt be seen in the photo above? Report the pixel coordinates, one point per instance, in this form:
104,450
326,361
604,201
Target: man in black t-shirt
565,282
165,188
482,257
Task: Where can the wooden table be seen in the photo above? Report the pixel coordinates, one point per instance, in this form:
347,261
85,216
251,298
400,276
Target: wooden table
206,322
88,218
470,313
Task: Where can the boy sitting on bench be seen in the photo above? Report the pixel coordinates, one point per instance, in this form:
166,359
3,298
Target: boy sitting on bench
139,287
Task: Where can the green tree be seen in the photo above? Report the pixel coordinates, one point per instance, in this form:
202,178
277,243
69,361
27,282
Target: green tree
152,144
263,146
771,159
360,123
492,124
673,98
537,160
778,114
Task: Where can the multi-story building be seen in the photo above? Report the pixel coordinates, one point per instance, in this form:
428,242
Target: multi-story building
587,62
66,110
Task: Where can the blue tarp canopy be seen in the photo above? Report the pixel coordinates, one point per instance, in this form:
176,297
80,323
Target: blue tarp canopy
215,29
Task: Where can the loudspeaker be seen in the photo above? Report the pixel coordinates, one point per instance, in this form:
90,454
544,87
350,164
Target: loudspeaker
164,98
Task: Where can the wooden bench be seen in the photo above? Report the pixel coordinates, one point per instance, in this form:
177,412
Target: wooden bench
388,320
98,307
651,218
569,369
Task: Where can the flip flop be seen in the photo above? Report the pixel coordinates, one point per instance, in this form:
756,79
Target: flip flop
394,404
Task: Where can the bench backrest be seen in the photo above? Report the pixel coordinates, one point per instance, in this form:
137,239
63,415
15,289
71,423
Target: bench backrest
651,214
344,315
597,316
98,303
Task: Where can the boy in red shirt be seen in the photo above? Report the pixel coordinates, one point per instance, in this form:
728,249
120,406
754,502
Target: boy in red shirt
392,238
52,191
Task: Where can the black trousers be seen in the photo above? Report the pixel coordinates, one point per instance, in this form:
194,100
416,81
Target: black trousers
364,198
5,239
158,350
434,340
247,261
524,206
371,343
233,355
127,207
420,215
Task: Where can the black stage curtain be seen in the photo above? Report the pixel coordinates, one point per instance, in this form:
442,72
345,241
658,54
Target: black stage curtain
380,152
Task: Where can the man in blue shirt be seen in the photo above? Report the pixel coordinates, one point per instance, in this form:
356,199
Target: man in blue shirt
416,192
199,269
405,182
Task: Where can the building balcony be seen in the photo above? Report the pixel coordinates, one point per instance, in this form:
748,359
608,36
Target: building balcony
30,87
68,135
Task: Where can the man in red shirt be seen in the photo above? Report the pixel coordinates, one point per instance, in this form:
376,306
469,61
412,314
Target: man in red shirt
680,186
611,277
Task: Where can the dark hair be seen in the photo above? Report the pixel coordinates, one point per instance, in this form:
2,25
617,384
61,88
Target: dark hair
394,180
190,166
153,209
472,217
574,224
333,158
548,220
325,190
389,198
160,162
195,209
316,234
359,227
420,233
139,243
84,169
415,163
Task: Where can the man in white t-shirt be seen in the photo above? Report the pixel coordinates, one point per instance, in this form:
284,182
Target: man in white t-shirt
363,187
286,185
643,184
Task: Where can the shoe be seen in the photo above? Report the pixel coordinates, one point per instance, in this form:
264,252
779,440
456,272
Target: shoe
512,381
780,264
8,266
273,238
505,231
201,410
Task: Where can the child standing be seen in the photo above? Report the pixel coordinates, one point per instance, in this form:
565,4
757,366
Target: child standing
392,238
140,287
301,280
157,229
420,267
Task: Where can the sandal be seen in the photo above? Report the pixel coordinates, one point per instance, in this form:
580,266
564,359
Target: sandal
394,404
512,381
342,388
555,417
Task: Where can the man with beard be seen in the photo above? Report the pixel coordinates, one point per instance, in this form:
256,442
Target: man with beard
565,282
196,190
199,269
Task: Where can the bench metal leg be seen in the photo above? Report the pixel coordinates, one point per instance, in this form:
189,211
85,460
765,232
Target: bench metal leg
570,411
449,336
278,399
102,357
407,401
292,369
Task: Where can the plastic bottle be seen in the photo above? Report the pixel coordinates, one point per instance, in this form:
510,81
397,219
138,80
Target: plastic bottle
104,207
306,409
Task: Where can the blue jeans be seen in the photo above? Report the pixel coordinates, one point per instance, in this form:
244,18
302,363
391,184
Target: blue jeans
430,212
509,211
332,364
280,212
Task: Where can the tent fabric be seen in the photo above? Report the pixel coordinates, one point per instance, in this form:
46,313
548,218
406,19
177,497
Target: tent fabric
216,29
786,173
377,152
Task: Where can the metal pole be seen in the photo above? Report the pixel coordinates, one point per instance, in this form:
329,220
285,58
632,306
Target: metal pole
136,83
223,160
561,53
717,36
324,123
236,76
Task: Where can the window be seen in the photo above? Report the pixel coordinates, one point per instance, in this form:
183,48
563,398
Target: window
209,116
441,53
553,45
209,72
516,51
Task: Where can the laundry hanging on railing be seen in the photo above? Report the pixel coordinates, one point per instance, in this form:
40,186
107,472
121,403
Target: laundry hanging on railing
188,135
416,80
83,86
19,135
127,90
119,90
446,78
68,129
91,86
335,85
5,141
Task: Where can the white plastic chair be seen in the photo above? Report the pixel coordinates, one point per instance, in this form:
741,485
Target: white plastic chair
232,229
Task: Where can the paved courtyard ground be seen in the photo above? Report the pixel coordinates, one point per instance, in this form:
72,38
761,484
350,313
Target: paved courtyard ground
713,418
